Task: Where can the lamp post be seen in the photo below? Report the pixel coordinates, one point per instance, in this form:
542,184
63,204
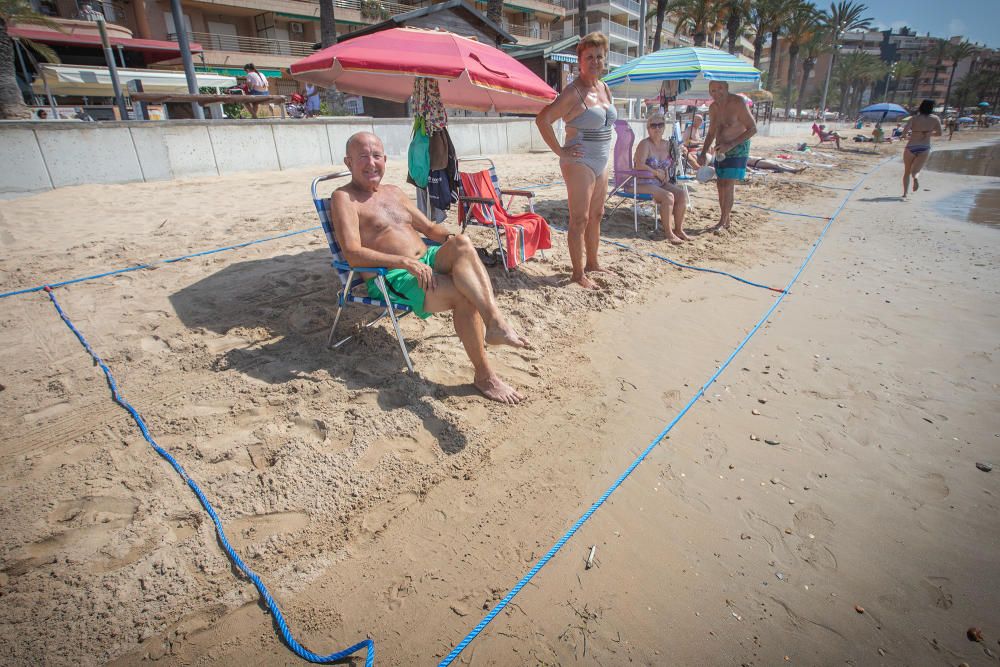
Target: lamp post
185,46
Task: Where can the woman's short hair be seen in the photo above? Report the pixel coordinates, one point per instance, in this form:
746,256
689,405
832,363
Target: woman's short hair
926,107
594,39
656,115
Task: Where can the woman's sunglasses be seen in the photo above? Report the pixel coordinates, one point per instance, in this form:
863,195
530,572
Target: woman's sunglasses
657,126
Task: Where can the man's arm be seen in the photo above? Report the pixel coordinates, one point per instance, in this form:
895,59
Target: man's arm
709,136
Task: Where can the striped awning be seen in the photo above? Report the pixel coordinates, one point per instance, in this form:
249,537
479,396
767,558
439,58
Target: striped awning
562,57
644,75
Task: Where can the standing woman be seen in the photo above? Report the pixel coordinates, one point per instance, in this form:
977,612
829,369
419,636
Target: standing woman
587,107
920,129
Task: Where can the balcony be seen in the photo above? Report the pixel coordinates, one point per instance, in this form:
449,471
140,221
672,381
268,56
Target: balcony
527,34
615,31
629,7
239,44
616,59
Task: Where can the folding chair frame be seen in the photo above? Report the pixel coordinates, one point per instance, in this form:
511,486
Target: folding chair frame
342,267
487,204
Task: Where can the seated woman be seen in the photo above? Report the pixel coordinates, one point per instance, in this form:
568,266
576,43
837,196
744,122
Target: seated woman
653,155
771,165
692,142
820,130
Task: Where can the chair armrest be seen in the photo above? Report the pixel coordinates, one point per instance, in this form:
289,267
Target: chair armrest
518,193
344,266
476,200
635,172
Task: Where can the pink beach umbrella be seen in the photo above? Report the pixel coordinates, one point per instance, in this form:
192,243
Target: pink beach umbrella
470,74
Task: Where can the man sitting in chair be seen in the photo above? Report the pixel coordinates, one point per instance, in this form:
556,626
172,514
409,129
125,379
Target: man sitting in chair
378,225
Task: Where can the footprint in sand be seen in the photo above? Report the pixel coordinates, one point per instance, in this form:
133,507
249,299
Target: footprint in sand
420,447
814,528
81,528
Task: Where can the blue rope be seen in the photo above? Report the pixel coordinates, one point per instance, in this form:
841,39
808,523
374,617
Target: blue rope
774,210
140,267
676,263
621,478
279,619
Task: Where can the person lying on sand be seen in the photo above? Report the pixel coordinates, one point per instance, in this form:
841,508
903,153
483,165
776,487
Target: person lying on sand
760,163
377,225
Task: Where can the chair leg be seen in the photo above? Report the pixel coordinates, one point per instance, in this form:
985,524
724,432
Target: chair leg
500,247
380,281
336,318
340,307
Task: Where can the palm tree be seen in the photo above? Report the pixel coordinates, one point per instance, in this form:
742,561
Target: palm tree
919,67
802,25
736,13
843,16
18,11
763,15
328,37
703,15
581,16
959,52
815,46
494,12
778,27
663,7
939,52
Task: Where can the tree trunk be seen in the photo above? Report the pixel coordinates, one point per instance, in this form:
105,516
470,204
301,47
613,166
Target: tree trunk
328,37
807,66
12,105
951,77
661,10
581,14
793,52
733,29
758,48
772,67
494,12
700,36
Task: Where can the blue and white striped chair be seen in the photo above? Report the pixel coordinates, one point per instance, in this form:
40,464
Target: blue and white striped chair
351,281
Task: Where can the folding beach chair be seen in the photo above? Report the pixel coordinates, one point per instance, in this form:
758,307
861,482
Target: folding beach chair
350,281
827,138
478,207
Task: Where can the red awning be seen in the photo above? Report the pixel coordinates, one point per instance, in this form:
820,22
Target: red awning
151,46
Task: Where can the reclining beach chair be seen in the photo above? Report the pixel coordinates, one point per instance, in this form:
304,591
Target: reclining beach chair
480,198
351,281
827,138
624,179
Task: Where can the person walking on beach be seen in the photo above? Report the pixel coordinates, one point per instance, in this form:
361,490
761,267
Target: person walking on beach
256,85
589,111
378,225
920,128
313,102
730,127
653,154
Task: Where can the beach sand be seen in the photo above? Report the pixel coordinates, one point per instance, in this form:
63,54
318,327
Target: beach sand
376,503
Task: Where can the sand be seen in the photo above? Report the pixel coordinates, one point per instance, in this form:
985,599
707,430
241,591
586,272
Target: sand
376,503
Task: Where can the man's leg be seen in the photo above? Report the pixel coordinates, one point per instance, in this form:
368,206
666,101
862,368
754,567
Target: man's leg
457,258
471,331
726,187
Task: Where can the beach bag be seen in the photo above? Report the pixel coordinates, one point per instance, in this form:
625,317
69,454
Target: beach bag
419,154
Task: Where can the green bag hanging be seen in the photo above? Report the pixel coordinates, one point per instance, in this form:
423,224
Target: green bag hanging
419,154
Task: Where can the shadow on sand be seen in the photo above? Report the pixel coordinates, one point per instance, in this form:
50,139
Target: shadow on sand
274,316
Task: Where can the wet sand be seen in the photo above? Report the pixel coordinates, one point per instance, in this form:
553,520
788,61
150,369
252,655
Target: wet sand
404,507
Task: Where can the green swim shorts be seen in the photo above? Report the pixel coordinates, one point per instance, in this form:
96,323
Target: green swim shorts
733,165
403,286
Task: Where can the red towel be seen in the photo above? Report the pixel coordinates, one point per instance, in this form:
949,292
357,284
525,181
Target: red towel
524,233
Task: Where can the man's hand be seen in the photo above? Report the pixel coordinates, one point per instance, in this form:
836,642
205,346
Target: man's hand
720,150
701,159
423,273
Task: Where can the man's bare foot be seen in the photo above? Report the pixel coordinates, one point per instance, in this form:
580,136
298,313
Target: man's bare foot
717,229
501,333
674,240
495,389
679,233
596,268
584,282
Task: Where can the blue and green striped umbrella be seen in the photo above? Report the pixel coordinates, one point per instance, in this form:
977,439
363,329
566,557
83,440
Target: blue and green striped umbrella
643,76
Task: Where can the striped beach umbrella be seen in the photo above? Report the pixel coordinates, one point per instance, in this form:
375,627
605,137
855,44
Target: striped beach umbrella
698,65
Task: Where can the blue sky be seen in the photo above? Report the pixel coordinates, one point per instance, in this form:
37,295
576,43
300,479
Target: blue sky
977,20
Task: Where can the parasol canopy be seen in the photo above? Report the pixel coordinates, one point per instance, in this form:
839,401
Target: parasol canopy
966,119
470,74
699,65
883,111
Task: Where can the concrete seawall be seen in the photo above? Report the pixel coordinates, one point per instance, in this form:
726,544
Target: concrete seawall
47,155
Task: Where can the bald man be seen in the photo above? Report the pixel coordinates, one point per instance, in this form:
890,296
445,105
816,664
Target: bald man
378,225
730,127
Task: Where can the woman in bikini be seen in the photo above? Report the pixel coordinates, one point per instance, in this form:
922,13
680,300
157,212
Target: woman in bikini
653,154
920,129
587,107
